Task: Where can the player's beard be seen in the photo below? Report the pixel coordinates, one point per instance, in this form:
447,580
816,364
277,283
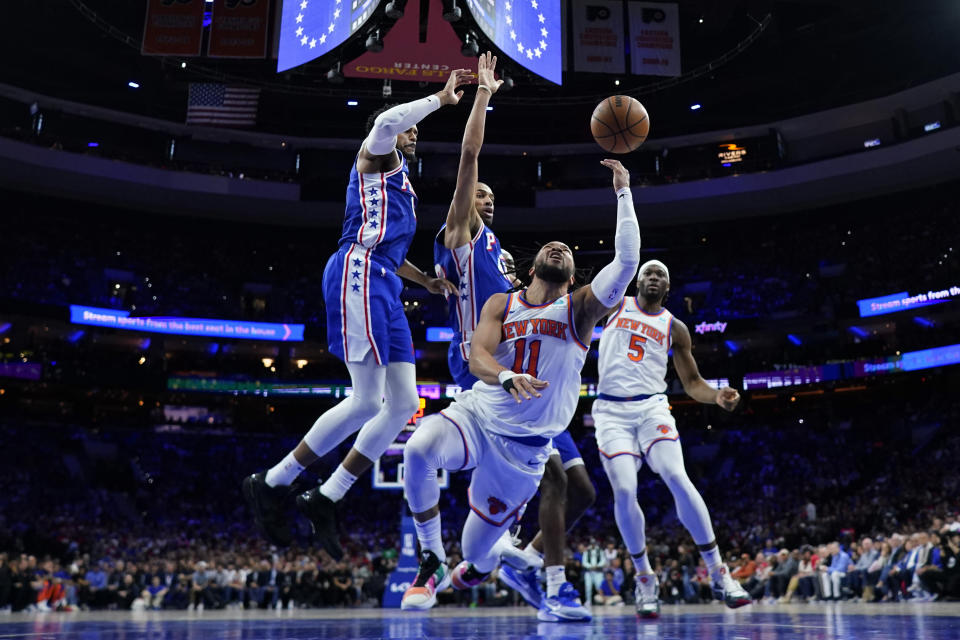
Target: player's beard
410,156
551,273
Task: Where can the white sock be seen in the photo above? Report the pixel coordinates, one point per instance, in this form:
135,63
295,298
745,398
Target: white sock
642,563
532,550
712,559
284,472
338,484
555,579
428,533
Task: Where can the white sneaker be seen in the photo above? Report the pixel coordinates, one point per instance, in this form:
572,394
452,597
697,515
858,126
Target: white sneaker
647,594
729,590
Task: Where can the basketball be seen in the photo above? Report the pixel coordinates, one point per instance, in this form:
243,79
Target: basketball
620,124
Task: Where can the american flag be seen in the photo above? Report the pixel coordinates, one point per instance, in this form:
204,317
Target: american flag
218,104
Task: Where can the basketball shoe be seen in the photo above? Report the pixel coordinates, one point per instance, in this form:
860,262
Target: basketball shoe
266,502
465,576
564,607
647,594
526,583
432,577
729,590
321,511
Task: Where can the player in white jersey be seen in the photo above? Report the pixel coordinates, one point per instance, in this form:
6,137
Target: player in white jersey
634,425
527,354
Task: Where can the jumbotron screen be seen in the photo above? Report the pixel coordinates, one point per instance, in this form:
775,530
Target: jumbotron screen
529,31
311,28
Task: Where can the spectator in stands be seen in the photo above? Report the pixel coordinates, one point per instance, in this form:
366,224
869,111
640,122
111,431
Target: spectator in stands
837,570
857,571
950,558
262,586
342,591
744,572
6,584
594,564
154,593
96,594
629,581
781,576
925,584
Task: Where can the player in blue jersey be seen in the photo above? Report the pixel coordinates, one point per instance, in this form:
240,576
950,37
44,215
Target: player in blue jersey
467,252
366,324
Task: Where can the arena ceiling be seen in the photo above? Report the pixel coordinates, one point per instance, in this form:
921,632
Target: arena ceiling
814,54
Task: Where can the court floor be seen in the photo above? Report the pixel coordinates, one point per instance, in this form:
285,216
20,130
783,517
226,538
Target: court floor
840,621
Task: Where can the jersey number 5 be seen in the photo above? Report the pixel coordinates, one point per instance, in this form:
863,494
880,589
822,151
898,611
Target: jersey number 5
636,347
521,346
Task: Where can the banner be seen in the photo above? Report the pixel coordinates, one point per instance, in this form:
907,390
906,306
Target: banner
239,29
208,327
405,57
654,39
598,36
173,28
903,301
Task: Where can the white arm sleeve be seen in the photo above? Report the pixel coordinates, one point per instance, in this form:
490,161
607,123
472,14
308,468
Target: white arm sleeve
609,285
382,139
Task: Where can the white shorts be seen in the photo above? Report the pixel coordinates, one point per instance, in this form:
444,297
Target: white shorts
631,428
506,473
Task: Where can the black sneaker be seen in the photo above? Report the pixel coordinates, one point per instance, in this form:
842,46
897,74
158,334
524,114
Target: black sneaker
321,511
266,502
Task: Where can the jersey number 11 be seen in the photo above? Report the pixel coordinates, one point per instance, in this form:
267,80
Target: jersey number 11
521,346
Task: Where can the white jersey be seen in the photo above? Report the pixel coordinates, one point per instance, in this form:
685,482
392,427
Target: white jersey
633,351
540,340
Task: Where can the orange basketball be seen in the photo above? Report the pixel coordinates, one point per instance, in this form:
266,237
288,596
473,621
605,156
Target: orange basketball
620,124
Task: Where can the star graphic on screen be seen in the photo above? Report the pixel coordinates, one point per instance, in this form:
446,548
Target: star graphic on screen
509,20
530,53
323,38
543,44
537,52
373,223
533,3
304,40
513,34
357,262
299,31
303,5
543,32
520,47
540,17
356,287
330,28
336,14
509,6
313,43
356,274
299,18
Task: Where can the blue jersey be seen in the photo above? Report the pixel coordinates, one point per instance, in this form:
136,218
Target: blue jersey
479,270
380,214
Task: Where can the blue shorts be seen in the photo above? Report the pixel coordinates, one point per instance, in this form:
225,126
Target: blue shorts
459,368
569,454
364,312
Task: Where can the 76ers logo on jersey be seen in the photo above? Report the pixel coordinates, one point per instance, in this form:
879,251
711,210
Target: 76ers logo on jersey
495,506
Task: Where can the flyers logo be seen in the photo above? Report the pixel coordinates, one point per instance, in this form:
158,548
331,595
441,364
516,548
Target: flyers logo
495,506
664,429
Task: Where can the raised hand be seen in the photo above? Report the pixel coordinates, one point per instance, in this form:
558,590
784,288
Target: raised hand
621,177
487,64
449,93
728,398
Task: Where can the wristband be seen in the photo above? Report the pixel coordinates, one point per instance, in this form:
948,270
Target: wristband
506,379
483,86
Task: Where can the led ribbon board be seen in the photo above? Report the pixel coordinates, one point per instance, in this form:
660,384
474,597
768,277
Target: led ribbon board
529,31
117,319
311,28
903,301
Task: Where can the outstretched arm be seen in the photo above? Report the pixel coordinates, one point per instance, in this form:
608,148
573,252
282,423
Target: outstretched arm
376,152
413,273
595,300
483,364
693,383
463,221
